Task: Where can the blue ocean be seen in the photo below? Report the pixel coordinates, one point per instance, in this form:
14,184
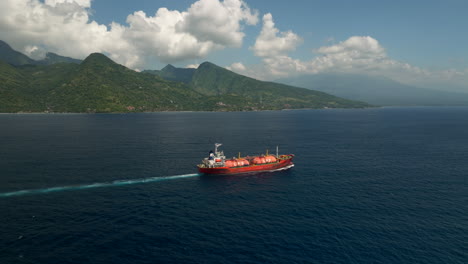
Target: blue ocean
380,185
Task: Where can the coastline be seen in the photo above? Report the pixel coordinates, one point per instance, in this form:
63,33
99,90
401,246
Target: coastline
193,111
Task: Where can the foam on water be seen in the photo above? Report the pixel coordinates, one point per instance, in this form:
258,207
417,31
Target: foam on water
96,185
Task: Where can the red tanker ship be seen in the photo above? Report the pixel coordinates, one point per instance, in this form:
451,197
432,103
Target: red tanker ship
216,163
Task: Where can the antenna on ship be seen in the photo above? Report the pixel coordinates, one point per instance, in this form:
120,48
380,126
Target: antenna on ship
277,152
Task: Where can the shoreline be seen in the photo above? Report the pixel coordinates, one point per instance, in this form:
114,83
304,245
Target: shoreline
192,111
188,111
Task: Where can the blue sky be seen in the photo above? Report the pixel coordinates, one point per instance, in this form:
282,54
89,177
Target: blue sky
415,42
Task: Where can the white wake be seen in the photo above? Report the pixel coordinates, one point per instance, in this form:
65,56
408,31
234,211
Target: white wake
96,185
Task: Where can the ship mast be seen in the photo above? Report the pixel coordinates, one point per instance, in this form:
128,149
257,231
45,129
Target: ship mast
216,147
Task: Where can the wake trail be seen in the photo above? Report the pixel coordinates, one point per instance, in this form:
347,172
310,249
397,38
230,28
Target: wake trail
96,185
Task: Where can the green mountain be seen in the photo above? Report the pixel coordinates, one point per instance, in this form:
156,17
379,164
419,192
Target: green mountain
101,85
250,94
98,84
14,96
376,90
13,57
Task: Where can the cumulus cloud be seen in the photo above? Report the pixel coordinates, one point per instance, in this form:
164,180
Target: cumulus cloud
219,22
357,54
83,3
365,55
354,54
64,27
355,44
272,45
192,66
237,66
158,37
271,42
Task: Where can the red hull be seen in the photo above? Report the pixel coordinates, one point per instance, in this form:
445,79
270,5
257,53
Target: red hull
285,163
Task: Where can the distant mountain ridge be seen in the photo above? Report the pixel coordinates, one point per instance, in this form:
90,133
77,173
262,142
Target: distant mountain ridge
172,73
16,58
376,90
212,80
98,84
52,58
13,57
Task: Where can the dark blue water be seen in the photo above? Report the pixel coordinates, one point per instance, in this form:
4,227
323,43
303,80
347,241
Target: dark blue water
383,185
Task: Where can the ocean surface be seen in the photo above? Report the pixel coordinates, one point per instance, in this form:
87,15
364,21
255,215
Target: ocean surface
383,185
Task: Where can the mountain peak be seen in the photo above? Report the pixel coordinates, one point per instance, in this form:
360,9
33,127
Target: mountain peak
4,45
51,56
176,74
208,64
97,56
168,67
8,54
98,59
100,63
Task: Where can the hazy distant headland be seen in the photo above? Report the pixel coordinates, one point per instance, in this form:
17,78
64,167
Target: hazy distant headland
376,90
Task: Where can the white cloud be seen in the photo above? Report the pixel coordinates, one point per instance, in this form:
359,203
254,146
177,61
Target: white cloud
365,55
357,54
218,22
158,37
83,3
356,45
269,44
58,27
34,52
237,67
64,27
192,66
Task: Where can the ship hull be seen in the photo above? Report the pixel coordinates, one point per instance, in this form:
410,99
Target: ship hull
279,165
